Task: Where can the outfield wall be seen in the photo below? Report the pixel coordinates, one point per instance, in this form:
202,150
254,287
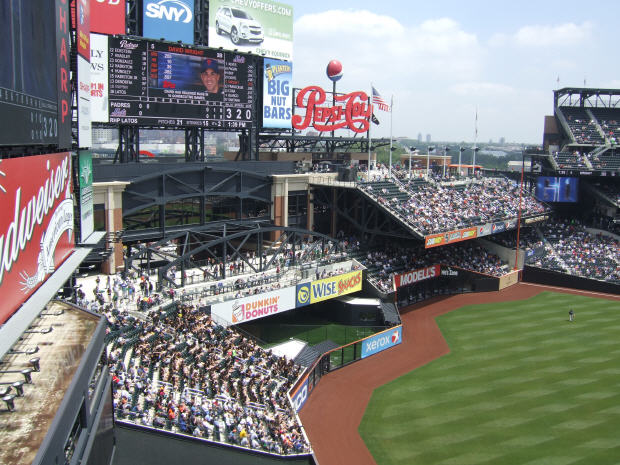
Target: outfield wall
536,275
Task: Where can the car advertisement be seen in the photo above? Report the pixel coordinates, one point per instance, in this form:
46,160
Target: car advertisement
382,341
107,16
255,306
99,78
277,93
328,288
264,28
36,224
171,20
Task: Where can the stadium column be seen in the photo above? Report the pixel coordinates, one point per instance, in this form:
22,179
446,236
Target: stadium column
111,195
279,196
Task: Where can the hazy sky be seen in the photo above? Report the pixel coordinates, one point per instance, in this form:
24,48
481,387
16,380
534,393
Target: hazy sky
440,60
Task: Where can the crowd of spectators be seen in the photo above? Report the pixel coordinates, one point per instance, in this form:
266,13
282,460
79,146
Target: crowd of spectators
431,208
183,372
384,263
528,238
569,160
570,248
582,126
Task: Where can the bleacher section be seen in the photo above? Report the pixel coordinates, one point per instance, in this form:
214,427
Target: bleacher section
566,160
583,129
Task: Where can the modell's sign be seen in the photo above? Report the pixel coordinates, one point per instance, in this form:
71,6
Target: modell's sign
412,277
351,111
36,224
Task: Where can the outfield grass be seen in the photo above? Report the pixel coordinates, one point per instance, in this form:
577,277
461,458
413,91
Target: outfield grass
521,385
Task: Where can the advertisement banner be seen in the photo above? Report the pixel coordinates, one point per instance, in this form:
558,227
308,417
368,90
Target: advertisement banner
498,227
84,117
485,229
412,277
459,235
99,105
255,306
263,28
382,341
87,224
63,84
81,15
107,16
277,94
328,288
36,224
171,20
300,396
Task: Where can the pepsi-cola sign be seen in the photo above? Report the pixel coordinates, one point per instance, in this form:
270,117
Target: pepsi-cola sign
380,342
36,224
351,111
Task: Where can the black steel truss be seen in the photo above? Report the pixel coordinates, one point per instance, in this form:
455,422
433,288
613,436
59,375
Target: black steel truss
586,97
318,144
128,145
224,243
194,144
365,215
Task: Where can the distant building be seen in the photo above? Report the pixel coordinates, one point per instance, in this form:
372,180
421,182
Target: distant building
428,138
502,140
419,137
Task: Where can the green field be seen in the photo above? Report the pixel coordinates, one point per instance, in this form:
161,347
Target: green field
521,385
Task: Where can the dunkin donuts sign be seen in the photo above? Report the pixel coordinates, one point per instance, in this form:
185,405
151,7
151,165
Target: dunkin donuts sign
36,224
255,306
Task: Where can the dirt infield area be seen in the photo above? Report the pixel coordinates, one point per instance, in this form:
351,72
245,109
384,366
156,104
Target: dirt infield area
334,410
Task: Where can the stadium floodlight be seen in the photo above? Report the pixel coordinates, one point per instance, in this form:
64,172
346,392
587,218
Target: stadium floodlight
429,149
411,150
461,150
446,149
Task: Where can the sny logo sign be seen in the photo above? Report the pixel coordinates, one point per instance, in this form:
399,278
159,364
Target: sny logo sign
170,10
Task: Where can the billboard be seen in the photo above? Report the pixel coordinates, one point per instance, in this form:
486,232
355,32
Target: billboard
328,288
300,396
29,75
382,341
277,93
80,14
264,28
557,189
255,306
350,111
36,224
435,240
84,113
412,277
169,19
107,16
163,84
87,224
63,70
99,101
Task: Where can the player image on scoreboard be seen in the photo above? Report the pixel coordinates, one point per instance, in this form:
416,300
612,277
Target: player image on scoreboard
184,76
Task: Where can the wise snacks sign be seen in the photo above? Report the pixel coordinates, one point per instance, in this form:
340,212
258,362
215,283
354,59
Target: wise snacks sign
351,111
328,288
36,224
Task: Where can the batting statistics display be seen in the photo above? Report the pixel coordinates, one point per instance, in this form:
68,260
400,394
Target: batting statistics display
163,84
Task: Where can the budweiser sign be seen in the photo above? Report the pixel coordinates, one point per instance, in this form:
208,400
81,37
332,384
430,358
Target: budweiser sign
36,224
352,111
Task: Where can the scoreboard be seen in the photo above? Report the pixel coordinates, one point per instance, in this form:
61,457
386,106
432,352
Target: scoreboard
155,83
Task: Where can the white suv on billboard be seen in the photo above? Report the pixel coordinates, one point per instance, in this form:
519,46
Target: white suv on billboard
239,25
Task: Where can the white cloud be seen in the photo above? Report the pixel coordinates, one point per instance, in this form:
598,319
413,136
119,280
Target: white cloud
491,89
544,35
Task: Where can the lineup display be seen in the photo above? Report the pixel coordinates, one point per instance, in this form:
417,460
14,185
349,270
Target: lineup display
164,84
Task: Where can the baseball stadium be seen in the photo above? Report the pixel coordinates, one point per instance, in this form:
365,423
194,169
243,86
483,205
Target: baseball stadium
300,299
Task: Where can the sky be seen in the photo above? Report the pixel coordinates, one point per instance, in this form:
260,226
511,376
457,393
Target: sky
445,61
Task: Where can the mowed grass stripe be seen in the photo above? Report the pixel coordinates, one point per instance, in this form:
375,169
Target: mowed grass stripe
520,385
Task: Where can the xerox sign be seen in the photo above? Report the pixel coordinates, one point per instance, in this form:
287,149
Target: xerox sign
171,19
382,341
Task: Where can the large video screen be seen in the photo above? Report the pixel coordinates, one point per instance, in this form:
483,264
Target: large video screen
163,84
28,73
557,189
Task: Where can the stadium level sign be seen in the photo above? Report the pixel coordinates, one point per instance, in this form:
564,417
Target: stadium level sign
328,288
435,240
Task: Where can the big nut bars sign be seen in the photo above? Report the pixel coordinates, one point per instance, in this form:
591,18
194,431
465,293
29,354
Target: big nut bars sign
351,111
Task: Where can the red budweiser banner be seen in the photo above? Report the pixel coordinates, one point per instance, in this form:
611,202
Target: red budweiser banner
36,224
350,111
411,277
